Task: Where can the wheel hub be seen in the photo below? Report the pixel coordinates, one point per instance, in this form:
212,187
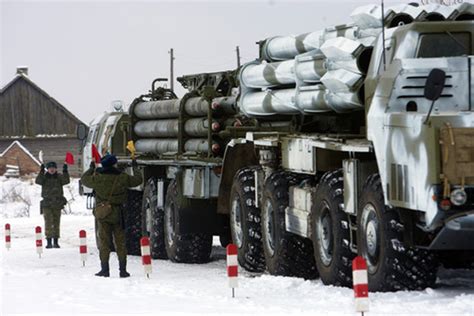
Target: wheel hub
371,236
325,236
236,222
148,221
371,247
170,224
269,227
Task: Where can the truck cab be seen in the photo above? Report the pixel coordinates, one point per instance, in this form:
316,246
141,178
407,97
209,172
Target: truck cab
424,148
108,133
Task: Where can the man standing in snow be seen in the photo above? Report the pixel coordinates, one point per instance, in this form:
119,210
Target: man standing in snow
53,200
110,186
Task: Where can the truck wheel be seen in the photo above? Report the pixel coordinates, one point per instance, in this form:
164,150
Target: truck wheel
133,221
245,221
285,253
153,221
391,266
183,248
331,231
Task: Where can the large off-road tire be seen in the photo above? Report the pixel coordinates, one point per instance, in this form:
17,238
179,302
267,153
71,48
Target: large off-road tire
285,253
331,231
392,266
133,222
182,247
153,220
245,221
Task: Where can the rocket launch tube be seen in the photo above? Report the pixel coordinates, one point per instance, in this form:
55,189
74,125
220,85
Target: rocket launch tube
306,100
195,127
195,106
166,145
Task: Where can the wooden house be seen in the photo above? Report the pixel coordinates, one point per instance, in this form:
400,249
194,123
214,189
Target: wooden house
30,115
18,156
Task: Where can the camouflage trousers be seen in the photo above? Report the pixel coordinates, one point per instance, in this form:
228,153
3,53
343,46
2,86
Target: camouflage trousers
110,228
52,219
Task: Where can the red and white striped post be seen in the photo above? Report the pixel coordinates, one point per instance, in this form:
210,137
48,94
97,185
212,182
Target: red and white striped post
83,246
232,267
361,284
146,255
7,236
39,241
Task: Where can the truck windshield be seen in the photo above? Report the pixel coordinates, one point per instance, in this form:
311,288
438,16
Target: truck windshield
447,44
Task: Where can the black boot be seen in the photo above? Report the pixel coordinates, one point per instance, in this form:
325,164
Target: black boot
104,272
49,245
123,269
55,243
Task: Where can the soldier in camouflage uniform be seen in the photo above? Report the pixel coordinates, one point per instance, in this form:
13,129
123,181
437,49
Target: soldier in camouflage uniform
110,184
53,200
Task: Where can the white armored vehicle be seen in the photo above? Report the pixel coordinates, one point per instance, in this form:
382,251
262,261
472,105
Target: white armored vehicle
339,142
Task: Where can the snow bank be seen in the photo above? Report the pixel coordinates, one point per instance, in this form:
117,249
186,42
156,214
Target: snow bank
58,284
21,198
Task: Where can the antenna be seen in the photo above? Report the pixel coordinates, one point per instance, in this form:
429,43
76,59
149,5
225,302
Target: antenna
171,69
383,37
237,50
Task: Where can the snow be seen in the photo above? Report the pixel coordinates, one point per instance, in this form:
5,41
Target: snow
21,197
36,136
58,284
50,135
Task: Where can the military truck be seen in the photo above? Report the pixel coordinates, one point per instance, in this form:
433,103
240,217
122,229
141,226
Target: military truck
355,139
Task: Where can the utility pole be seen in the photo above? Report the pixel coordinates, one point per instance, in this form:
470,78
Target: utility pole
237,50
171,69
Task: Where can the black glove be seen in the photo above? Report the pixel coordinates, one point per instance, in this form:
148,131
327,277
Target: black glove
65,168
92,165
42,168
134,163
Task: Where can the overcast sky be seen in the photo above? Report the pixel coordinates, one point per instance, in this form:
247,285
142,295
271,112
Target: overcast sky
86,54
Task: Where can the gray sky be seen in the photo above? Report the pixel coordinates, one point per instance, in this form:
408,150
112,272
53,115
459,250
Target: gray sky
86,54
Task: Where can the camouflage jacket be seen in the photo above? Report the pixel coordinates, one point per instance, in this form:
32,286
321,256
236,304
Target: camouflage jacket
52,189
102,181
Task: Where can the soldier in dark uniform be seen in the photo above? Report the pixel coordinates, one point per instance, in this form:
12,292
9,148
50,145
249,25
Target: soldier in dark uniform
110,185
53,200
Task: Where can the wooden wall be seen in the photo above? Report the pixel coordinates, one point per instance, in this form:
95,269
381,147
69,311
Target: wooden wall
26,110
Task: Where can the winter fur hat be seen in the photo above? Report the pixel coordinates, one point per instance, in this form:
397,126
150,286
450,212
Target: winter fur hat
108,161
51,164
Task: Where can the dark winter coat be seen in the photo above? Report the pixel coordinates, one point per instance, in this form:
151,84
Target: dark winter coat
110,184
52,189
102,181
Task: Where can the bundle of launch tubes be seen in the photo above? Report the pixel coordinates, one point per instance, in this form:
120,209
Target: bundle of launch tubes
315,72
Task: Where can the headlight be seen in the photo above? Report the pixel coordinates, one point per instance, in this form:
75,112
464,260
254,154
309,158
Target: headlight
458,197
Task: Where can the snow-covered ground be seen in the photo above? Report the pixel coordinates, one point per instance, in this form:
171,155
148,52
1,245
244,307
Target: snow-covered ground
59,284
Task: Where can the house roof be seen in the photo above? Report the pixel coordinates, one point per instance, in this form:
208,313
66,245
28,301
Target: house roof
25,78
23,148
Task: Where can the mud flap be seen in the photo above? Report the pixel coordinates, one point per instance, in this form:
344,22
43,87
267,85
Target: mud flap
200,220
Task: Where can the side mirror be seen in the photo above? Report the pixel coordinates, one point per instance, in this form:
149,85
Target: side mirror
433,88
435,84
81,131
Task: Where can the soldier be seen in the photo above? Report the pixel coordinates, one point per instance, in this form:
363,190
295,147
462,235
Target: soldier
53,200
110,186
